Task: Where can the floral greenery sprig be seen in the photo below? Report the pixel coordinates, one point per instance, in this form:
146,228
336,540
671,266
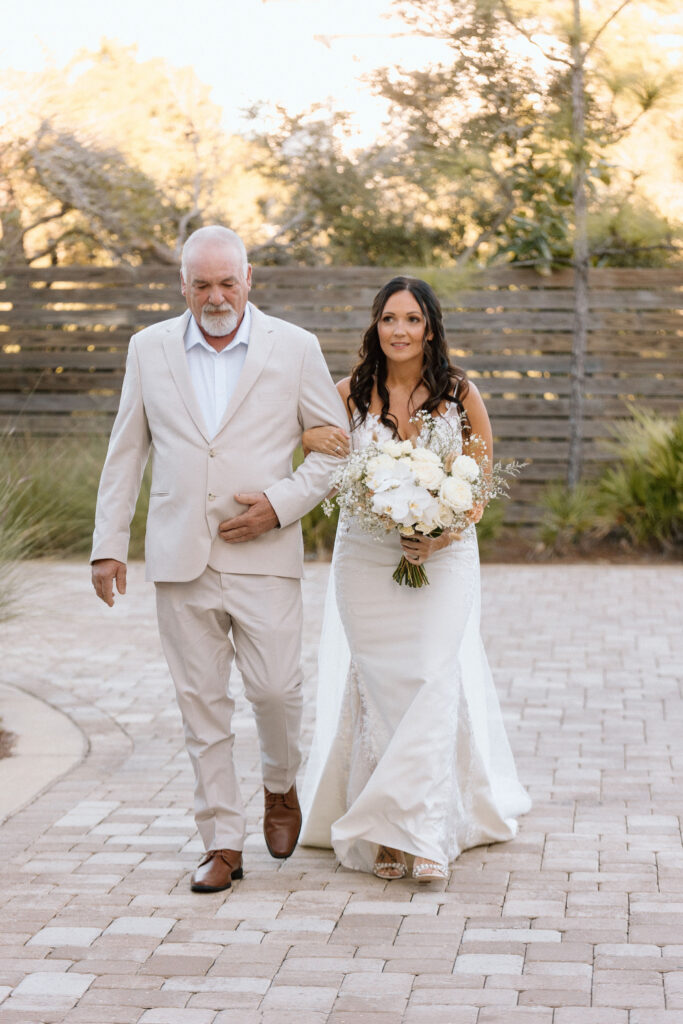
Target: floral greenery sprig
423,486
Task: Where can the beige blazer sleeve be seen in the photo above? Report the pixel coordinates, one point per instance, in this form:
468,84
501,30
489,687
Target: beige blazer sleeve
127,455
319,404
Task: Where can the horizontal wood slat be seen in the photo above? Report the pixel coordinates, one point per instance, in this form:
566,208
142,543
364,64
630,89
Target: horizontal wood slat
64,333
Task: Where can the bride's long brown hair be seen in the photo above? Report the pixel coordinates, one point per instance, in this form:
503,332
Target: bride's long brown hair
443,380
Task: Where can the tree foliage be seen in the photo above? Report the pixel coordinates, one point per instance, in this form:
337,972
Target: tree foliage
478,157
353,209
112,159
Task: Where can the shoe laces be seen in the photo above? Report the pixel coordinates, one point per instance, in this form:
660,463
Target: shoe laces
229,857
273,799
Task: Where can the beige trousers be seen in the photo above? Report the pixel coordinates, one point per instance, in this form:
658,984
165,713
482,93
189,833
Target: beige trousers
204,624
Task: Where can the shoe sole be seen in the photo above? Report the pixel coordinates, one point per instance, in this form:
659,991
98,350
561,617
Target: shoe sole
235,876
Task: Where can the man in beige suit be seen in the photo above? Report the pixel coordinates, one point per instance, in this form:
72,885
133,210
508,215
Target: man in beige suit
220,397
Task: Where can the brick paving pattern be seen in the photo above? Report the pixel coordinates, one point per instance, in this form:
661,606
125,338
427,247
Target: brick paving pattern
577,921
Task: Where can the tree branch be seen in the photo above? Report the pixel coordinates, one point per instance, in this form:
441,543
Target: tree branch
615,14
54,242
528,36
297,219
182,228
46,219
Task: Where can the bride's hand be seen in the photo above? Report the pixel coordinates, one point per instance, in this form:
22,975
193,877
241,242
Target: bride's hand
418,549
327,441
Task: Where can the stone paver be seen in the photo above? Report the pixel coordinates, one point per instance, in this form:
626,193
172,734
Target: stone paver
579,920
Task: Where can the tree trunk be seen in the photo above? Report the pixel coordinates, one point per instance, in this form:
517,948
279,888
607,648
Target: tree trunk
12,253
580,329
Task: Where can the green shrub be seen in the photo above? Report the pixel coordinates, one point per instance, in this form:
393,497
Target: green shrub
571,518
54,497
490,526
642,493
15,542
319,532
48,494
637,500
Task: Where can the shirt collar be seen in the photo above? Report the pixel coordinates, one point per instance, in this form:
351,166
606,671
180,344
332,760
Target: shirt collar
193,335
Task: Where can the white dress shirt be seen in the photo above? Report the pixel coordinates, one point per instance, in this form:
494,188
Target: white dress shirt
215,374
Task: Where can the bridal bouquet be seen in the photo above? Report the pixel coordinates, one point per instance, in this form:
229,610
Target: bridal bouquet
421,487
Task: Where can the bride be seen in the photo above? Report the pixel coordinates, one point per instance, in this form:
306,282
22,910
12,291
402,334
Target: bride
410,756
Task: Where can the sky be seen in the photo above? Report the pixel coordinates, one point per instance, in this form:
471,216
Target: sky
291,52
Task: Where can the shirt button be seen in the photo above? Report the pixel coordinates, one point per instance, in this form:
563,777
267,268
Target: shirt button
212,497
211,453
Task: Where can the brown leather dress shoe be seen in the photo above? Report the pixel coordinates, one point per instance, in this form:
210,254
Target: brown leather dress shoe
281,822
217,871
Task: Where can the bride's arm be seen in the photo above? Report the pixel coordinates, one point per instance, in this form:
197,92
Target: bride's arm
329,440
473,404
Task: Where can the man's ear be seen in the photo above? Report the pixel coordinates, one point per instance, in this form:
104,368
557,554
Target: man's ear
183,287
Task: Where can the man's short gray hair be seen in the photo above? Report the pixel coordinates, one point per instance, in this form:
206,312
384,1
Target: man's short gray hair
213,233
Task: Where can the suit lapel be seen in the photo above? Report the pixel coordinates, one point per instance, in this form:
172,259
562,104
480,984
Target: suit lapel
174,348
261,341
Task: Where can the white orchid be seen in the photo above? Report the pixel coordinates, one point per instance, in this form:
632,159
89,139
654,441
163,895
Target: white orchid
430,517
398,504
384,473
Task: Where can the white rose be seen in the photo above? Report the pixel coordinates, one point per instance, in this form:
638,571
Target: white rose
456,493
466,467
446,516
428,474
397,448
425,455
379,461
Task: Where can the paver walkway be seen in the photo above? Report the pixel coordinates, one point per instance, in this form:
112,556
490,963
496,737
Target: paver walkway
577,921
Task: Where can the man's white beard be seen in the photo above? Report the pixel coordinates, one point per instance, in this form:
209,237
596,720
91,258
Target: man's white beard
218,321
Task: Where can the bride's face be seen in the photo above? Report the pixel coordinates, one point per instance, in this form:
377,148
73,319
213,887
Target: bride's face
401,328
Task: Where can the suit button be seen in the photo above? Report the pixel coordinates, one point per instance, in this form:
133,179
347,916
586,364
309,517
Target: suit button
212,497
212,453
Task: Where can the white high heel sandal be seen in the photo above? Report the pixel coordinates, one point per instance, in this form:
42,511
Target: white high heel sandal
429,870
389,870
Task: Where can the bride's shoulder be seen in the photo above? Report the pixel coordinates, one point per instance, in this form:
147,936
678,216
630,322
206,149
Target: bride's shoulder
344,389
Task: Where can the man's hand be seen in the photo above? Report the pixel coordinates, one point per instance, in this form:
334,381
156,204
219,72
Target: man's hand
104,572
259,518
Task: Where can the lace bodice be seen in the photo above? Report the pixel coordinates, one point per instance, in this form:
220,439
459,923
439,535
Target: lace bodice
372,429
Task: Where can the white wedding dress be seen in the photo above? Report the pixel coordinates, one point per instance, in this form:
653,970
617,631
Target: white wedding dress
409,749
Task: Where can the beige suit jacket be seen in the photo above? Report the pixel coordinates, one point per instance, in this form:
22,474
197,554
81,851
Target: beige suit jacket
284,388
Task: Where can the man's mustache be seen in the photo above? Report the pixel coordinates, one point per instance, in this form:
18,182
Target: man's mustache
224,307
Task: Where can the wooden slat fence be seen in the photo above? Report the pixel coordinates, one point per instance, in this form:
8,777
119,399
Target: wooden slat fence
64,333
